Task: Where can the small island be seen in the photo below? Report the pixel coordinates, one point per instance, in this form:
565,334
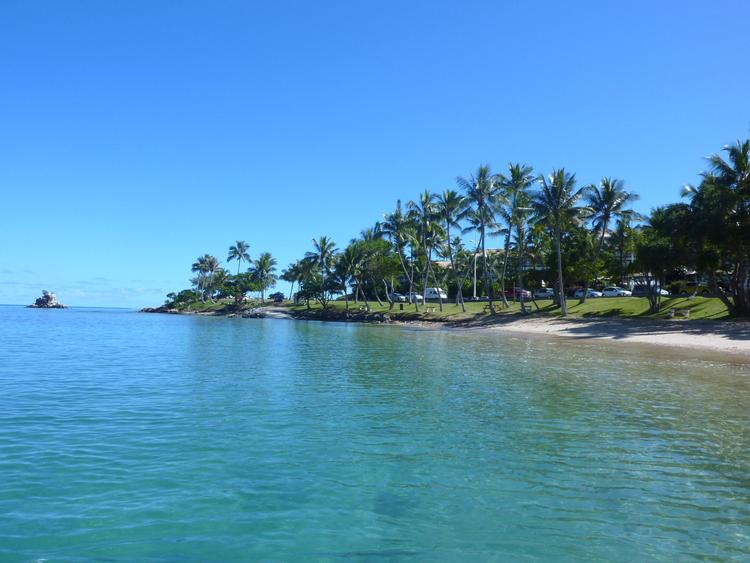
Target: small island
48,300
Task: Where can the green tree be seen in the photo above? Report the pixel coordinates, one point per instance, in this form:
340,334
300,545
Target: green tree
425,217
721,205
399,228
263,270
515,188
555,206
239,251
605,202
322,255
449,207
204,267
483,194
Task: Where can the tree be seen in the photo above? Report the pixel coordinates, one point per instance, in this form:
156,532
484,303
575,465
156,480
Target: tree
449,207
605,202
292,274
322,255
399,228
425,218
205,267
555,206
483,194
515,188
722,208
239,251
263,272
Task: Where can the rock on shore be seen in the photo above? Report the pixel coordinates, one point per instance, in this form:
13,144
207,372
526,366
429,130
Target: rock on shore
48,300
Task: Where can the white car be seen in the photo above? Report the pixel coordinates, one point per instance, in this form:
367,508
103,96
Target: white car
615,291
544,293
435,293
414,297
590,293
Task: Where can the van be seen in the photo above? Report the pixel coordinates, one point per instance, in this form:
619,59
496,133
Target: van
435,293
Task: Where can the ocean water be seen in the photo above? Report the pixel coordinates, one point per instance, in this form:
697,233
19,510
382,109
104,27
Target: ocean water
134,437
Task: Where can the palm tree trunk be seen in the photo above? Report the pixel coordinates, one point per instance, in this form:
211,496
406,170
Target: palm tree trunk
561,287
596,257
505,268
485,273
437,285
375,289
459,288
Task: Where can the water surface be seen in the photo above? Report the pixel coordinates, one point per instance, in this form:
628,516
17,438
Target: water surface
130,437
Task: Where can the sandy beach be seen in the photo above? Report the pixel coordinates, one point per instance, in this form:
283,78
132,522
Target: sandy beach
701,337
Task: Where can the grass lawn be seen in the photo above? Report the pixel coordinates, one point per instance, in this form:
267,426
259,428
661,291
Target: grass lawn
700,308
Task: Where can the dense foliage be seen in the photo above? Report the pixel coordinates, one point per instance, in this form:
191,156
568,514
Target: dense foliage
554,233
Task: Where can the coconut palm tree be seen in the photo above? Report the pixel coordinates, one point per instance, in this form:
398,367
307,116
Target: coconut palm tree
263,271
399,228
605,202
205,267
239,251
555,206
322,255
449,207
515,188
347,268
292,274
424,214
483,194
722,206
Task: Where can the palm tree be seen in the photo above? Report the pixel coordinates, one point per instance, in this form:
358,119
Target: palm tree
722,205
425,217
322,256
347,267
292,274
483,194
555,206
205,267
515,189
605,202
263,271
239,251
449,207
398,227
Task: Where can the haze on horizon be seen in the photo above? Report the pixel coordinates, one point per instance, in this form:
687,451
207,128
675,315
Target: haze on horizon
136,137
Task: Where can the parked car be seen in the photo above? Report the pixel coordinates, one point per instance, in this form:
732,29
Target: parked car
397,297
517,293
686,288
590,293
414,297
435,293
642,291
614,291
544,293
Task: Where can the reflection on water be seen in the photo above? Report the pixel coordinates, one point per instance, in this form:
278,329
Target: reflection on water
142,436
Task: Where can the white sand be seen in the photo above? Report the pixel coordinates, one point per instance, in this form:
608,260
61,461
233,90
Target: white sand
700,336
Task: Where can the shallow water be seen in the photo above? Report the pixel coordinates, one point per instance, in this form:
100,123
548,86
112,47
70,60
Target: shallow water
130,437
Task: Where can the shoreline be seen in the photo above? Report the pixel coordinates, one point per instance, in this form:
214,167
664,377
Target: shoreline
700,337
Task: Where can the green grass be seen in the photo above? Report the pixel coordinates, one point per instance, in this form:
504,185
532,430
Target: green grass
635,307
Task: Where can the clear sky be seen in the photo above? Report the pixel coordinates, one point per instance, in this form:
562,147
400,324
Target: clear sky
136,135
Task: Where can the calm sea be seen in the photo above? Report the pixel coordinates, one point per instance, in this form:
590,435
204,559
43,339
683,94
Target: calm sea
134,437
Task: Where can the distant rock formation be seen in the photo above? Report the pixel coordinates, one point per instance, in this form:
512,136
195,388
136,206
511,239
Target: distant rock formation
48,300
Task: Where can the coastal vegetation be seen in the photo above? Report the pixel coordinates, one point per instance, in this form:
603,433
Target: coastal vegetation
556,233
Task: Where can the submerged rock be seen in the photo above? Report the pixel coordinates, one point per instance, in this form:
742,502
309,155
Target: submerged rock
48,300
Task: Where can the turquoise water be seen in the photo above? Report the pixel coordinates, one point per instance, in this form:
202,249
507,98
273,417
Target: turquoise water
132,437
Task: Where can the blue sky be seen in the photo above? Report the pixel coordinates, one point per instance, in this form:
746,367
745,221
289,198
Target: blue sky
135,136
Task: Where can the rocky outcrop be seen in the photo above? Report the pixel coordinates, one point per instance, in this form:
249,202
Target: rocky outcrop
48,300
